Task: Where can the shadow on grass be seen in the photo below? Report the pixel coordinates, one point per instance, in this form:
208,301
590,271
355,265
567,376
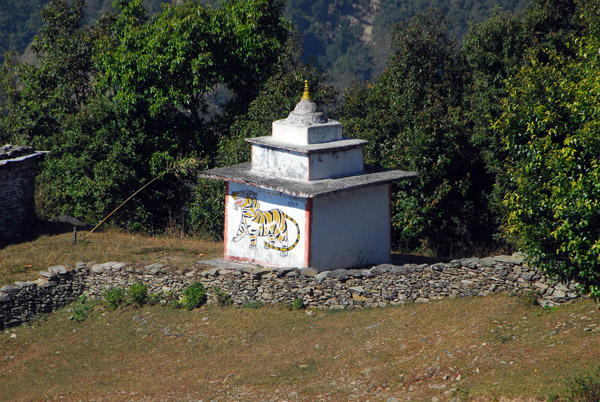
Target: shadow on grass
52,227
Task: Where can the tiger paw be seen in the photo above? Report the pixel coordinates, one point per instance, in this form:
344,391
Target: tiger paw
284,253
236,238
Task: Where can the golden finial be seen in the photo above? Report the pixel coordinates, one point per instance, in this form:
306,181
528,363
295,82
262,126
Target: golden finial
306,94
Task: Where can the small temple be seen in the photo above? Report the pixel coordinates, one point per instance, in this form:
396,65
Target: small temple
307,199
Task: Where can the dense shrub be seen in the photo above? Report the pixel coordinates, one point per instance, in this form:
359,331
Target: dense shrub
138,293
413,118
114,297
194,296
552,130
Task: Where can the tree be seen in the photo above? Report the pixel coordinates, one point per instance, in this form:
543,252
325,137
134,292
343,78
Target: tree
494,51
277,98
551,123
119,102
413,118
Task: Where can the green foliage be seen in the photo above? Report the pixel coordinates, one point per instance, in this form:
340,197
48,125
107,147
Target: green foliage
222,297
194,296
297,304
253,304
81,309
495,50
584,388
413,117
114,297
552,137
154,299
277,98
138,294
121,101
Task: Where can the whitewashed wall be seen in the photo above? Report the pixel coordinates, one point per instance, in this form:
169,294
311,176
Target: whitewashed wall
241,250
351,229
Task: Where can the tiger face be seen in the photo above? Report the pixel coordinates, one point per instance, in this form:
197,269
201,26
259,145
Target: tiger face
242,199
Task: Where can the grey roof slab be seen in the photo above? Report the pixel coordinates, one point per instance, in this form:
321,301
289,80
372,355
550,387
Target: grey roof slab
371,176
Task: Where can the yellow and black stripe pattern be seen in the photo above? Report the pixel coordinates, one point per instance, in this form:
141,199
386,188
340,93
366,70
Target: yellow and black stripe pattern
256,223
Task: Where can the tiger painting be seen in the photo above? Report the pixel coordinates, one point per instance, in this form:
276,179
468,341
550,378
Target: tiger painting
256,223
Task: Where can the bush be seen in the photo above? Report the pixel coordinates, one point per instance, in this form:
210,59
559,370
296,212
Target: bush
194,296
222,297
585,388
154,299
413,118
114,297
297,304
81,310
552,137
138,294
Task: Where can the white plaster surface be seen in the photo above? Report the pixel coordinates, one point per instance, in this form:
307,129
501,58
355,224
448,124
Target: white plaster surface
325,165
294,207
351,229
307,166
280,163
304,135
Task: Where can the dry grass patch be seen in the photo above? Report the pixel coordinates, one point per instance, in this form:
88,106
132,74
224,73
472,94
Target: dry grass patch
473,349
23,261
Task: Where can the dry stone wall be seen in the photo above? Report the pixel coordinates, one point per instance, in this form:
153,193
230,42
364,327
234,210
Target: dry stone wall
377,286
56,288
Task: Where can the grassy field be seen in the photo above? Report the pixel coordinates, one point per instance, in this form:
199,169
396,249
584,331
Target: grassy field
53,245
498,348
485,349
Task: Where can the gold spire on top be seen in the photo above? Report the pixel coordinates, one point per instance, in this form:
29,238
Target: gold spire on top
306,94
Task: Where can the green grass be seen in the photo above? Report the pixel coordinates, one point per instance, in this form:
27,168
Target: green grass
235,353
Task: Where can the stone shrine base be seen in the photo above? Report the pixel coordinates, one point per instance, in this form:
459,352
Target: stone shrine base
378,286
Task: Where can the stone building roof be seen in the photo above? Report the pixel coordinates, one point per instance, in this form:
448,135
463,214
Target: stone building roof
16,153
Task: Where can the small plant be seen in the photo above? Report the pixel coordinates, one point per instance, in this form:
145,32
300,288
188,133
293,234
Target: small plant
585,388
194,296
81,311
223,298
154,299
297,304
253,304
175,304
550,309
114,297
39,318
529,298
138,294
502,338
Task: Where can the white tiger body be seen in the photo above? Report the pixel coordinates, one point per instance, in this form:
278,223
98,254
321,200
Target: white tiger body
256,223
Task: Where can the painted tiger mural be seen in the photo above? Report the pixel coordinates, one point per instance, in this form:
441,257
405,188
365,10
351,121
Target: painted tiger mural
254,223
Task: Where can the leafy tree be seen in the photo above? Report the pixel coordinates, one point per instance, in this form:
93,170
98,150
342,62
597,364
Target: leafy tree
413,118
39,97
121,101
552,137
279,95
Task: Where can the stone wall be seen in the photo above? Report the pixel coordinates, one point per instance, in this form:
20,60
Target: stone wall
17,188
56,288
381,285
